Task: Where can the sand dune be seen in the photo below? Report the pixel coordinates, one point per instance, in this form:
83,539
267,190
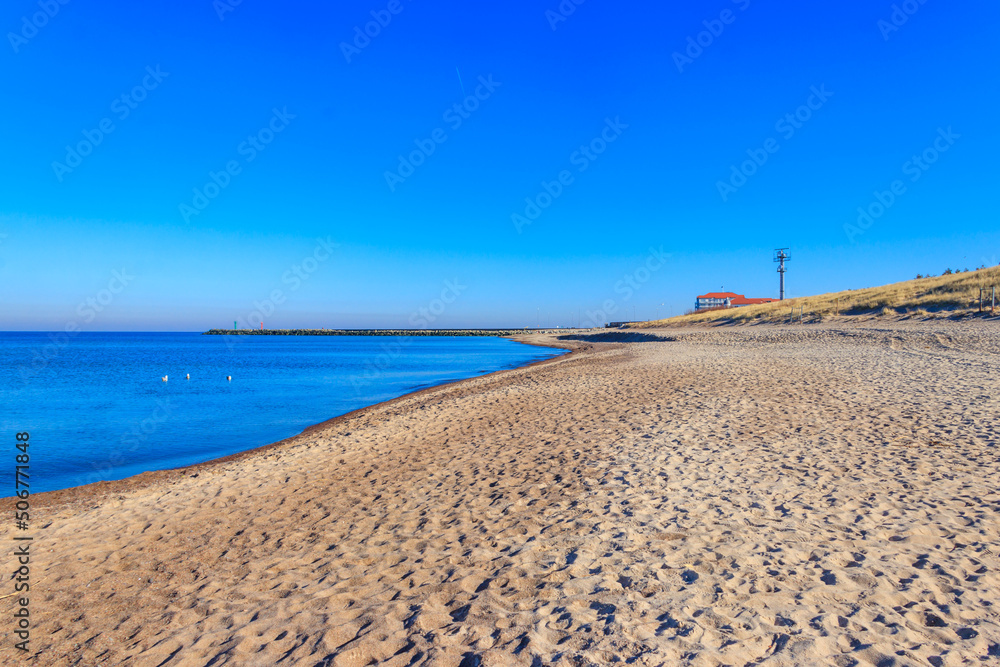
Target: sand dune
778,496
955,295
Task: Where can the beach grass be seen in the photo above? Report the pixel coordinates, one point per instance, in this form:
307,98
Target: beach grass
951,295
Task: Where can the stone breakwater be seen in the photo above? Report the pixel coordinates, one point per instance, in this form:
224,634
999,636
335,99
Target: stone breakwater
378,332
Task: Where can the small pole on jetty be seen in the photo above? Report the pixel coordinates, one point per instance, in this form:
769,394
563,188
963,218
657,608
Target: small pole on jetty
993,302
234,325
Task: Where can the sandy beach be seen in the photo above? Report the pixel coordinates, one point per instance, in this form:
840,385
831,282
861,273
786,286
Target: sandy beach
801,495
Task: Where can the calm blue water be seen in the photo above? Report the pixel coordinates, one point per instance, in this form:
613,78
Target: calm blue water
97,409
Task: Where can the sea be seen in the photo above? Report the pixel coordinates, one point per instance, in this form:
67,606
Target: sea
96,405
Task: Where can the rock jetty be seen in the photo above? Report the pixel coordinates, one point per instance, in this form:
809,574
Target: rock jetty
378,332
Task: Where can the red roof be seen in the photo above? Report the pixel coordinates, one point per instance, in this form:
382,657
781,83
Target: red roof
736,299
743,301
721,295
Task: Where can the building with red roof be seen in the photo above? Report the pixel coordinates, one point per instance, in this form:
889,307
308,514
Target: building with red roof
726,300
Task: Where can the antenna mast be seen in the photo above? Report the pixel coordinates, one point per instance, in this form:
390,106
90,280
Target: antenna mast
781,256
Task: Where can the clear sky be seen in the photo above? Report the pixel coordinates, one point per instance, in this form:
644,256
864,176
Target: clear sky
228,159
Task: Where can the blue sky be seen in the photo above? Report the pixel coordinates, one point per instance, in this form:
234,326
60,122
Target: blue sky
312,133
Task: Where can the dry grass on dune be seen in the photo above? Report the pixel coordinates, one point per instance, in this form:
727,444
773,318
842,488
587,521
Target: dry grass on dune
923,297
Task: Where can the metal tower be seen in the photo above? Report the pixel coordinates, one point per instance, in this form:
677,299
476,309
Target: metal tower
781,256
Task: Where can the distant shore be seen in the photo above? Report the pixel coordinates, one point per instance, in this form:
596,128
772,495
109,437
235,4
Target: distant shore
382,332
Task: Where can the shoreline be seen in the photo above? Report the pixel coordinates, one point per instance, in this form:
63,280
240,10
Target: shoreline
585,339
498,333
99,490
762,496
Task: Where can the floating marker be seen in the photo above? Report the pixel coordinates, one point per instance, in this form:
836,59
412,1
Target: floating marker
188,376
164,378
228,377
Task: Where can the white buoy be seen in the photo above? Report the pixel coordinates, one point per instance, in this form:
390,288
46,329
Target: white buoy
164,378
188,376
229,377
